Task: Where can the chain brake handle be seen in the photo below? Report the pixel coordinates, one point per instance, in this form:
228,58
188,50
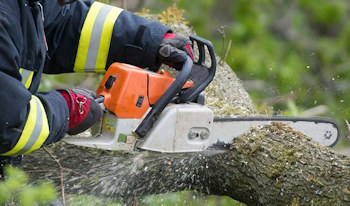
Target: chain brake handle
201,74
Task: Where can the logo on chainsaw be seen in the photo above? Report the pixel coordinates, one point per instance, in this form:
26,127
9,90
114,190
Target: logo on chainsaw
328,134
108,125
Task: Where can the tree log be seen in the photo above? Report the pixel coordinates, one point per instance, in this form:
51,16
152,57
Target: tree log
270,165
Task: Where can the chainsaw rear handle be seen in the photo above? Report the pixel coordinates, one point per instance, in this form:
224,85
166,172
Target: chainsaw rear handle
201,75
99,99
171,92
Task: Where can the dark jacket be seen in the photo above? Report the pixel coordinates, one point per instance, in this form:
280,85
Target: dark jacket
40,36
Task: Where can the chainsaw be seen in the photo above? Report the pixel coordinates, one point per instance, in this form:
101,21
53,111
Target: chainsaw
165,113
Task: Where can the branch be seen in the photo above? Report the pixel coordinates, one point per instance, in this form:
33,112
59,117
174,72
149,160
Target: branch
61,175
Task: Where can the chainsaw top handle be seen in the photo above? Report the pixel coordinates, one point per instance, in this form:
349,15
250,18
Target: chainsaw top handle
201,75
181,78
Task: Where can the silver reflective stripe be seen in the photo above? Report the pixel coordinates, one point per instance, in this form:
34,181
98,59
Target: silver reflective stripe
25,75
37,130
95,38
94,45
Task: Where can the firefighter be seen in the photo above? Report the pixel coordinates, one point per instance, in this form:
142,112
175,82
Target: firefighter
62,36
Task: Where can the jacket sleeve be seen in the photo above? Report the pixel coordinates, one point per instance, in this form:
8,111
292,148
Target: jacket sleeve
27,121
89,36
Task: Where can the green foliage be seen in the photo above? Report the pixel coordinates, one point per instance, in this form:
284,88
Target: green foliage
188,198
88,200
324,13
16,191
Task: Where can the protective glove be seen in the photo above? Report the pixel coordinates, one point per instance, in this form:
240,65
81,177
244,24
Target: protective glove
173,50
83,110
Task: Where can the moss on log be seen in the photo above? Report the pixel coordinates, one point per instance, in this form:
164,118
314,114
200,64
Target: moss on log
270,165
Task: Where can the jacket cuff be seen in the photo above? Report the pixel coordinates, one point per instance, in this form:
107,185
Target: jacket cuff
57,114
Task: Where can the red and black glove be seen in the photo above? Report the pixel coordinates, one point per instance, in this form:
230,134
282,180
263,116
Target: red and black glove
173,50
83,110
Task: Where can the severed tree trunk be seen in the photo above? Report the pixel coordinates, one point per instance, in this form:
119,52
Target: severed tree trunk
270,165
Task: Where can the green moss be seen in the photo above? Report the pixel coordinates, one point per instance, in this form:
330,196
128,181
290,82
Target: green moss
296,201
188,198
89,200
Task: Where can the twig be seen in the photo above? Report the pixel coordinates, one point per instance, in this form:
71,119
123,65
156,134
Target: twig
53,157
75,172
33,171
61,176
224,51
315,111
62,169
124,4
227,50
222,32
348,127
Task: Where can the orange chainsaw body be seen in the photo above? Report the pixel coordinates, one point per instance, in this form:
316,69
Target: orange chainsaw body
129,91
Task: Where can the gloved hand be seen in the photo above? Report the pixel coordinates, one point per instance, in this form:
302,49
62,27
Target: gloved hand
173,50
83,109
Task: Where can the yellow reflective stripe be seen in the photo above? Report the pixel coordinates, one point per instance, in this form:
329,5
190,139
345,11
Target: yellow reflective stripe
29,80
27,131
85,37
35,132
95,38
105,42
44,130
20,70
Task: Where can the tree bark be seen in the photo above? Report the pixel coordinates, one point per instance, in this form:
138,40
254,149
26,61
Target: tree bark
272,165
